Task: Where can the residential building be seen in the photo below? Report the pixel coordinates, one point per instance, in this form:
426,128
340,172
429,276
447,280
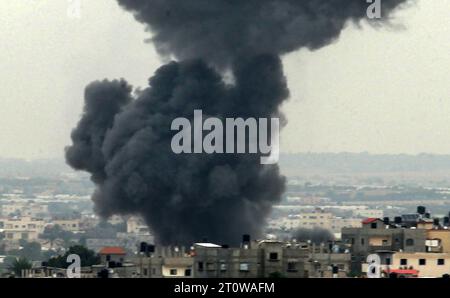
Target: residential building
112,254
71,225
136,225
256,259
377,235
25,228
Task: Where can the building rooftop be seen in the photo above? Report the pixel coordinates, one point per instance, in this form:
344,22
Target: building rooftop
369,220
112,250
210,245
404,271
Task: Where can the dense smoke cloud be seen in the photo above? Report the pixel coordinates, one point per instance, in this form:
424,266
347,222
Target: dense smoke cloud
315,235
124,140
218,31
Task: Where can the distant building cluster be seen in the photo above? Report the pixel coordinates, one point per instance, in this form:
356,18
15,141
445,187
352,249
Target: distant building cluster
415,244
25,221
253,259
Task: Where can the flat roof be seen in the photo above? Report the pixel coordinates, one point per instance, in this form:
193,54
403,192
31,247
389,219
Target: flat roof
210,245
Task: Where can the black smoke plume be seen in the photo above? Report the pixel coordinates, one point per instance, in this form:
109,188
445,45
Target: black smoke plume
315,235
123,140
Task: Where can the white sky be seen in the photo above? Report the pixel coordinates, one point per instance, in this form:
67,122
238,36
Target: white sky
377,90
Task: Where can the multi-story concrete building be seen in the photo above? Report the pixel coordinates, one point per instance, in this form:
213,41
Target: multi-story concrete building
368,213
376,235
408,234
310,220
339,223
24,208
267,258
413,264
25,228
136,225
71,225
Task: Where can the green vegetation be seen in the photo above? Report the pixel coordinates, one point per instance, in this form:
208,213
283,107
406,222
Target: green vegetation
19,264
87,256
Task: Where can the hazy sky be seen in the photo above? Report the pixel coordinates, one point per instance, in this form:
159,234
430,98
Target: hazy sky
378,90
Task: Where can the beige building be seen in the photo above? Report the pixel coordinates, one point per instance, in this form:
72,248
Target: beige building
26,228
136,225
438,240
428,264
31,209
316,219
339,223
368,213
71,225
177,267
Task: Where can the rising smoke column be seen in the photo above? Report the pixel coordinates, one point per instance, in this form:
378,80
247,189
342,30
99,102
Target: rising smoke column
124,140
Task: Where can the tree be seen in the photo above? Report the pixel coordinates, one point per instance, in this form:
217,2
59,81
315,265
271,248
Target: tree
88,257
18,265
105,230
31,251
55,232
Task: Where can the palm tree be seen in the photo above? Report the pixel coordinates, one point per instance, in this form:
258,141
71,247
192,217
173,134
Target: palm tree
18,265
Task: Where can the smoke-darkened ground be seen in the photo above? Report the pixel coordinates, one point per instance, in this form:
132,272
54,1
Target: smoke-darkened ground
124,140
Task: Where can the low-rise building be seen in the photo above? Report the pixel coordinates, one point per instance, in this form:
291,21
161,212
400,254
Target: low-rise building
112,254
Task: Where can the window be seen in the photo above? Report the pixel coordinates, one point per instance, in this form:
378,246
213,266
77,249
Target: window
388,261
403,262
422,262
210,266
243,267
292,267
362,241
273,256
200,266
373,225
173,271
441,262
223,267
145,271
108,258
409,242
187,272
